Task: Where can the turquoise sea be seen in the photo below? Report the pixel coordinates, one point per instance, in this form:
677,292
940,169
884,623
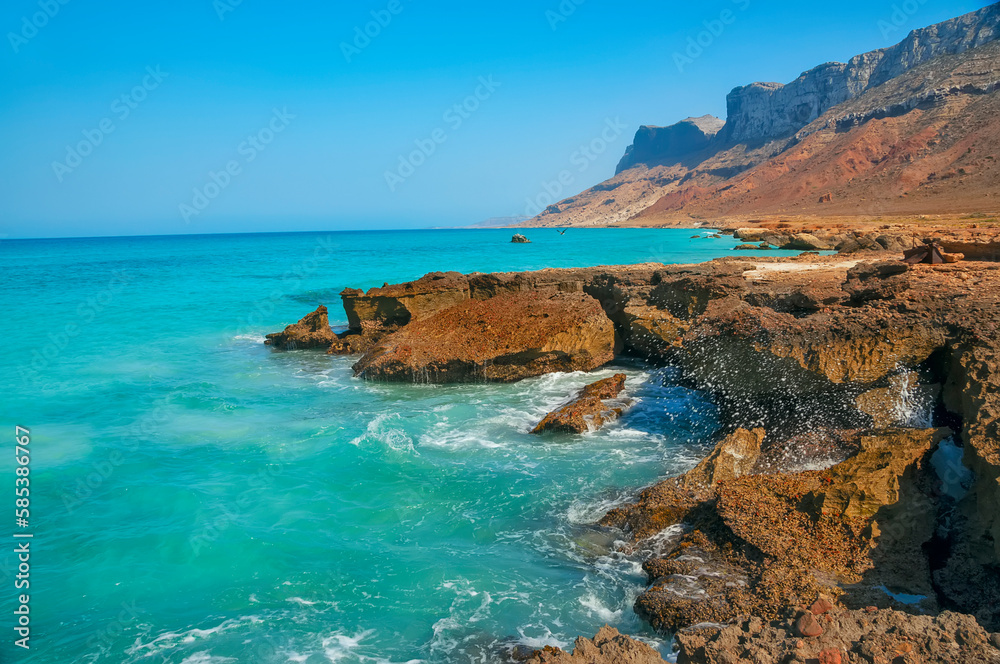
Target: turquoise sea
198,498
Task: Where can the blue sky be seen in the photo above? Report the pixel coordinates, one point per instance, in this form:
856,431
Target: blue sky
202,116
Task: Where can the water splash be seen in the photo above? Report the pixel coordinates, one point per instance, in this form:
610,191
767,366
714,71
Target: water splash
911,406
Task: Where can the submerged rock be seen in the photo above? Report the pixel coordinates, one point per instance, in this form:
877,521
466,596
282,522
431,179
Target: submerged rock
520,239
593,407
504,338
313,331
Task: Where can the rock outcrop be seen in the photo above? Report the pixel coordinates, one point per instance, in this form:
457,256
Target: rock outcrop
501,339
313,331
756,543
735,456
608,647
863,635
595,405
974,392
670,145
397,305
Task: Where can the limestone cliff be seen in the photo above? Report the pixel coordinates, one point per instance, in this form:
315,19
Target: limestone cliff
765,111
909,129
670,144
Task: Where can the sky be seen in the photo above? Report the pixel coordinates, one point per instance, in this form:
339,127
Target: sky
214,116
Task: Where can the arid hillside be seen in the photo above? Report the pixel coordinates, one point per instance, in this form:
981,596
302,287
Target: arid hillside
924,142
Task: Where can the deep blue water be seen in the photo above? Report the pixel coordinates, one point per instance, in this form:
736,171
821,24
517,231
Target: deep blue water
198,498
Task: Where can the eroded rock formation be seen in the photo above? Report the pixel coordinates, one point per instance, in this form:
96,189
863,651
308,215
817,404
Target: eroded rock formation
400,304
755,543
595,405
313,331
670,145
762,111
735,456
608,647
502,339
863,635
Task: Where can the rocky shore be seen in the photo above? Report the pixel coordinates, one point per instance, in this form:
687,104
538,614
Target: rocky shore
849,510
595,405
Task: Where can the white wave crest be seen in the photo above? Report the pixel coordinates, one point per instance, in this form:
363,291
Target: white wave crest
206,658
382,432
599,611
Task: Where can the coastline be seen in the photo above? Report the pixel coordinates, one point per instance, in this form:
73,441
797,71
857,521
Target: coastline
810,351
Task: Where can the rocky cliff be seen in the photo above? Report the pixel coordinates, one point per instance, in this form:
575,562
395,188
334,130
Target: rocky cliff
910,129
671,145
765,111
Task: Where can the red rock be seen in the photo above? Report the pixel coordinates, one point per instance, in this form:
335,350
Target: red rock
820,607
313,331
608,647
399,304
588,411
733,457
808,626
500,339
830,656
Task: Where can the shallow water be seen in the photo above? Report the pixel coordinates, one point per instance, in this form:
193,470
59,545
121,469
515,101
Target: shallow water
199,498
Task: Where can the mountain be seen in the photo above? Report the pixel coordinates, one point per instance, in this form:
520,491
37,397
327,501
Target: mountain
909,129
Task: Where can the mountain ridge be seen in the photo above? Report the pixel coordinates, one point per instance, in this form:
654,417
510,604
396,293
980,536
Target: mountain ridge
940,89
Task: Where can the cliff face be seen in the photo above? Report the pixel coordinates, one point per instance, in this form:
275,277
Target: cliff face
909,129
670,144
925,142
765,111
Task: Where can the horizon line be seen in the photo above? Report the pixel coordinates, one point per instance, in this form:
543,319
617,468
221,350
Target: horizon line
6,238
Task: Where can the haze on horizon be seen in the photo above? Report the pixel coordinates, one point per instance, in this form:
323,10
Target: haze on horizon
216,116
